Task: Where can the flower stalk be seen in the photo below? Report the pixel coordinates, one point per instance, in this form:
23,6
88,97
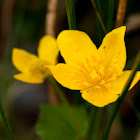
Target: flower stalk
52,81
59,91
120,99
7,126
97,125
91,122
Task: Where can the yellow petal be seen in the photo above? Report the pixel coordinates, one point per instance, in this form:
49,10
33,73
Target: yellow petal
75,44
27,78
98,97
70,77
113,50
48,49
22,59
118,84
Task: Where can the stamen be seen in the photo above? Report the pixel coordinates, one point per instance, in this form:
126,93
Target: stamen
102,82
98,74
98,87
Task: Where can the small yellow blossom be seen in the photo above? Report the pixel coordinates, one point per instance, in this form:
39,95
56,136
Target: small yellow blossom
33,69
98,74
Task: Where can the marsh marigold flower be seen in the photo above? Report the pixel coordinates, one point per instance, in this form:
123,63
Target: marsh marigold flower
33,69
97,73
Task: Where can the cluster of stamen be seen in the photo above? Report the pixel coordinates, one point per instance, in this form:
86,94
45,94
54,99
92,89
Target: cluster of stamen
99,75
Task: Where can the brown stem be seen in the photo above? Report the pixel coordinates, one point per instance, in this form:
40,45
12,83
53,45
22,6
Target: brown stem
50,24
121,13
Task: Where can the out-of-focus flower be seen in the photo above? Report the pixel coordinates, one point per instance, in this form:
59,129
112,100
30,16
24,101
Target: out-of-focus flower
33,69
98,74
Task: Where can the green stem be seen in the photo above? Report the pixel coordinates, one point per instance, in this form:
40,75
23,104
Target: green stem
99,17
110,15
7,126
52,81
97,125
124,92
70,9
91,122
99,8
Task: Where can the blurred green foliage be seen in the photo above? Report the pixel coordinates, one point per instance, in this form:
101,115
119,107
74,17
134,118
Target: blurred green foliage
54,123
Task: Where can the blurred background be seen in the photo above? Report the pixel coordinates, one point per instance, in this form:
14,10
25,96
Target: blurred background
22,24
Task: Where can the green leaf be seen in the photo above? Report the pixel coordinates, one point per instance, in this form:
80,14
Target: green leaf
55,124
70,9
110,15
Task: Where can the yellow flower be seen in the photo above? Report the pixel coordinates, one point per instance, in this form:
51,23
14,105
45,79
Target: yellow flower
33,69
98,74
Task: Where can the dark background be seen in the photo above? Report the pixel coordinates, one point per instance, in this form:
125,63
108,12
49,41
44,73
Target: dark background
22,24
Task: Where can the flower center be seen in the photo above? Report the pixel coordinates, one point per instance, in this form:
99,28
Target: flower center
39,69
99,74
